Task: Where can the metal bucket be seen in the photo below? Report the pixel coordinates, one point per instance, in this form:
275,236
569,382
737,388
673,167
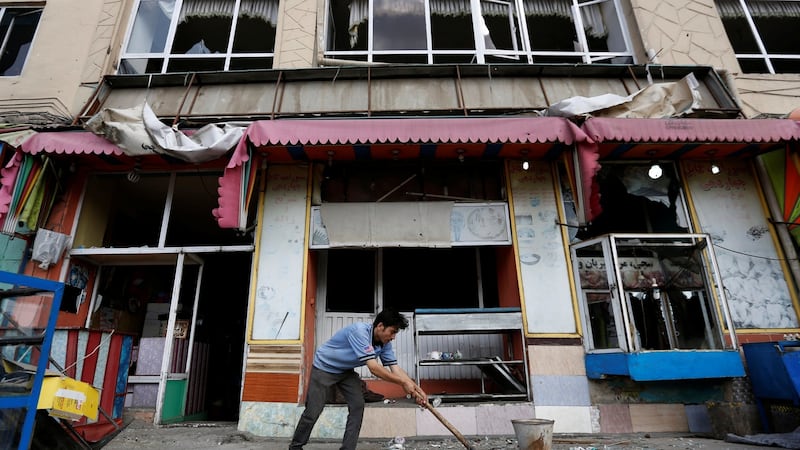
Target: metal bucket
534,434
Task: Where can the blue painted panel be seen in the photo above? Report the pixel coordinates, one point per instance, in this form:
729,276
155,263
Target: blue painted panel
666,365
685,364
122,377
598,365
774,369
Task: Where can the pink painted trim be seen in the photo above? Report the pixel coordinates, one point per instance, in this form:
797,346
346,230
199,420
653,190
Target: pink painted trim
417,130
8,178
230,188
375,131
689,130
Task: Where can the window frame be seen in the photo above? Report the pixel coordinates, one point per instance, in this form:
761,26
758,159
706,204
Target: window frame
524,52
763,54
3,43
716,312
166,56
476,258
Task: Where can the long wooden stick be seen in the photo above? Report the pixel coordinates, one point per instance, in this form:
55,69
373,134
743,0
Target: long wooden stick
449,426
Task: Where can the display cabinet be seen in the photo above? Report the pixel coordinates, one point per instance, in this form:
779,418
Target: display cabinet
500,366
28,311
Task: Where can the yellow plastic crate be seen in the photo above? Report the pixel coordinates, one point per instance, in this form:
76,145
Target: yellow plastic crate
68,398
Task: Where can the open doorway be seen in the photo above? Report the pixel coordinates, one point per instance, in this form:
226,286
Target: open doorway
142,234
222,318
135,299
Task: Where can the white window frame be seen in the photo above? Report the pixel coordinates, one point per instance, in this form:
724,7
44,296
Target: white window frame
716,317
763,55
167,56
7,35
522,52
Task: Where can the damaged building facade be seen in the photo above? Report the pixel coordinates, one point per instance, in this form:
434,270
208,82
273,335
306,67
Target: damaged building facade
586,207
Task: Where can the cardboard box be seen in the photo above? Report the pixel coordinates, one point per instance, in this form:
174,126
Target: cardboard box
67,398
62,396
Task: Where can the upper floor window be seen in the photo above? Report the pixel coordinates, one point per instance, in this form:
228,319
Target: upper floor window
17,27
200,35
477,31
760,32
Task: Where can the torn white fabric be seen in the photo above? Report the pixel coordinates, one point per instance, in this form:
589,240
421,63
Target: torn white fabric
395,224
124,127
658,100
207,143
138,131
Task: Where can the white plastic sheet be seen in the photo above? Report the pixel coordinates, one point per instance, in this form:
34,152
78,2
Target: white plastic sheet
48,247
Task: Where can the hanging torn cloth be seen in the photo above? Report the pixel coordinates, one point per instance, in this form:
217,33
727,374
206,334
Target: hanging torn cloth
138,131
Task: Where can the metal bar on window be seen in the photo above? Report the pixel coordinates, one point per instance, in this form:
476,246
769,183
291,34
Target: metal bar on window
756,35
7,35
232,35
577,19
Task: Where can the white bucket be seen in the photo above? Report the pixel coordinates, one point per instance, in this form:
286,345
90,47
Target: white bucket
534,434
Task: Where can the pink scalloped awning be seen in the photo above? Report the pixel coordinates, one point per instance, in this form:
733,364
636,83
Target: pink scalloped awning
315,138
416,130
69,142
692,130
615,138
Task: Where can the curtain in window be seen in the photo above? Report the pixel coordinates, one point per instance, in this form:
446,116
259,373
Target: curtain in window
264,9
732,9
591,14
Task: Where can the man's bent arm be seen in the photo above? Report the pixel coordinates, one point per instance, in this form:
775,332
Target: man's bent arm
397,376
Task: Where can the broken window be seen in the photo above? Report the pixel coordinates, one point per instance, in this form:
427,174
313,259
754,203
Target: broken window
200,35
120,211
477,31
760,32
649,292
17,27
645,281
464,277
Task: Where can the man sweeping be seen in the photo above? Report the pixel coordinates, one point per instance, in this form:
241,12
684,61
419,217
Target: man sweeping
335,362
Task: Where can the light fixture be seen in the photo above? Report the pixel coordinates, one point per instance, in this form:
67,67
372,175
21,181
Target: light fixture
525,164
460,152
714,169
327,171
133,175
655,171
395,154
656,290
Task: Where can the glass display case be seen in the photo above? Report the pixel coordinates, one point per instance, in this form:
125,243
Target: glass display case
657,297
495,343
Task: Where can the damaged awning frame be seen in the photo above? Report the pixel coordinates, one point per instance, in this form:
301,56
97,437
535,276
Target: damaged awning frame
610,139
294,140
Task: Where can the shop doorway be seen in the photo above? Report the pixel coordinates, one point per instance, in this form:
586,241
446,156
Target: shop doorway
173,279
204,366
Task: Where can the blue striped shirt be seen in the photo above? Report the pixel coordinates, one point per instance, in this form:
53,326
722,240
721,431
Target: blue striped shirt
352,347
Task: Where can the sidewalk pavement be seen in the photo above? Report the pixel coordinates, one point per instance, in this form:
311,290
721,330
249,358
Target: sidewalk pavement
140,435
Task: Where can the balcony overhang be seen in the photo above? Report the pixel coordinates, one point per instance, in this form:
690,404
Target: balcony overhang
391,90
